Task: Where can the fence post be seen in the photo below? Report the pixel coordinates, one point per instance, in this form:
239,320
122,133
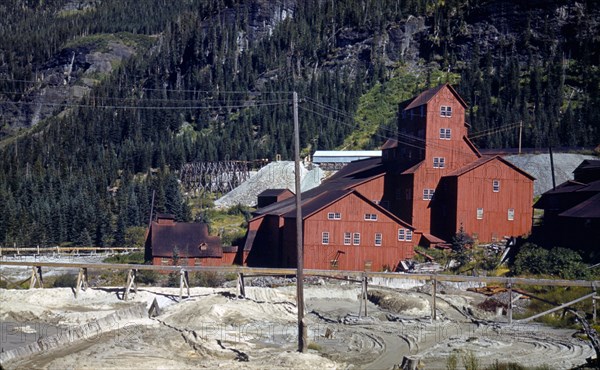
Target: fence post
434,308
240,285
510,303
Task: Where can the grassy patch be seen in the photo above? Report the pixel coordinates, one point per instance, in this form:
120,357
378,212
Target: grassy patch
126,258
379,106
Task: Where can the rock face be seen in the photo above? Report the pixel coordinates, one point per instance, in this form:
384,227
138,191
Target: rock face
65,79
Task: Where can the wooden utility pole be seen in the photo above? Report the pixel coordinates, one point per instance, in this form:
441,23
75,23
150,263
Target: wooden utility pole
552,167
520,135
302,331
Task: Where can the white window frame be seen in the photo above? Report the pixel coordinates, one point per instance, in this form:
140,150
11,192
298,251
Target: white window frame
370,217
409,235
325,238
479,213
439,162
445,133
347,238
428,194
445,111
378,239
334,216
511,214
496,186
401,235
356,239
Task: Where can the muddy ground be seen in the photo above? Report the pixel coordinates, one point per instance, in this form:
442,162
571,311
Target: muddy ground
214,328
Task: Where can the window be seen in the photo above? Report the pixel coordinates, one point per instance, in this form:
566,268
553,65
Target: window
511,214
402,234
347,237
378,239
445,133
325,238
334,216
356,239
496,185
439,162
405,235
445,111
408,194
480,213
428,194
370,217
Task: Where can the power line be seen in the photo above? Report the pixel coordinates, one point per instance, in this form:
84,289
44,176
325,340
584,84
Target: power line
171,90
142,107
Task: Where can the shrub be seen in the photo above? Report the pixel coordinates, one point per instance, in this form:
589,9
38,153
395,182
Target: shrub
147,277
208,279
561,262
65,281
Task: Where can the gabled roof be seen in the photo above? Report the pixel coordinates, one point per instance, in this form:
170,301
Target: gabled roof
412,169
352,175
187,239
587,209
472,146
588,164
483,160
315,204
427,95
274,192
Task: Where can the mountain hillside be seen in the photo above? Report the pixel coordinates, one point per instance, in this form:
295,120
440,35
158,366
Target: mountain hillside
101,102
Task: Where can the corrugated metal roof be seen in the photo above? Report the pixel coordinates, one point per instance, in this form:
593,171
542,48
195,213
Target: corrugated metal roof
187,238
347,153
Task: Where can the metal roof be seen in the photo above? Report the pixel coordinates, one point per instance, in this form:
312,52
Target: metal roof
587,209
343,156
347,153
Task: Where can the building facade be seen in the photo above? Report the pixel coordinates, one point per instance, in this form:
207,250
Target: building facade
429,182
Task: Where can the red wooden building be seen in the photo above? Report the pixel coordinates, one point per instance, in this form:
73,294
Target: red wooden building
428,182
185,244
440,181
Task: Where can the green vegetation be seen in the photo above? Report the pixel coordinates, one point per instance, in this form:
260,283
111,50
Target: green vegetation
471,362
87,176
377,109
64,281
559,262
136,258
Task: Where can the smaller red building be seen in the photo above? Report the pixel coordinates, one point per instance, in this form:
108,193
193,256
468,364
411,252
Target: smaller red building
185,244
271,196
342,229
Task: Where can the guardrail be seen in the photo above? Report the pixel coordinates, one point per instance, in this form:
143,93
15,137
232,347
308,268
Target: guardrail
57,249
